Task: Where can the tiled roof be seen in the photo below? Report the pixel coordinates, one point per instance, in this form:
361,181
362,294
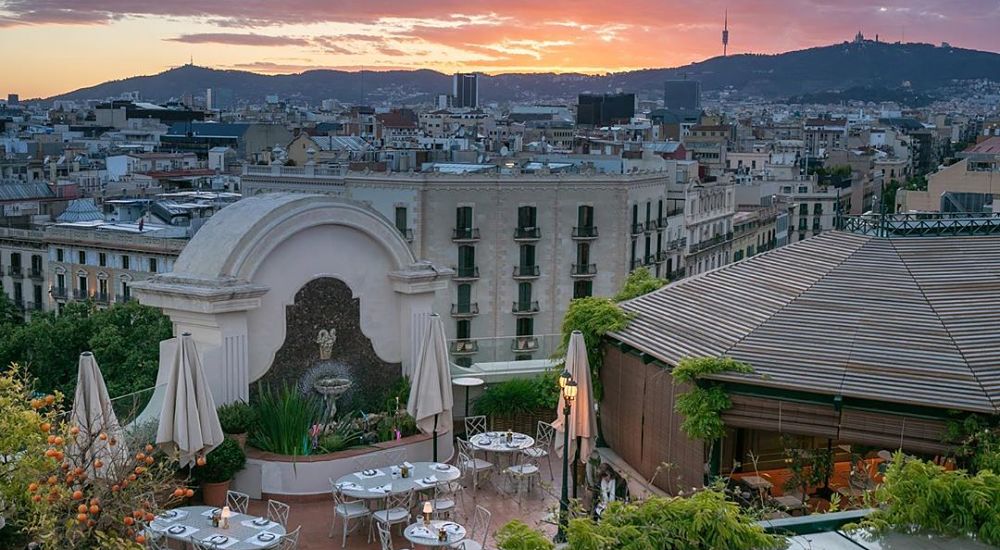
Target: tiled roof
911,321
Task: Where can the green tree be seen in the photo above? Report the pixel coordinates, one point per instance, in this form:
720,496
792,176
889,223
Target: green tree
9,315
640,281
594,317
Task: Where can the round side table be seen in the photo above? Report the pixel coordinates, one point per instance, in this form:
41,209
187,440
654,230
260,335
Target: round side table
468,382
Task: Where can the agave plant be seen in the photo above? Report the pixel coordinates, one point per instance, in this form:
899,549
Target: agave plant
284,417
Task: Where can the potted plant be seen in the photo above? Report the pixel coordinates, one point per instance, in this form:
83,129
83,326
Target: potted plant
217,473
237,418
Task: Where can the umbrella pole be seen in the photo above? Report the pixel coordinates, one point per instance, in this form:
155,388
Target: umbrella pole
434,434
576,461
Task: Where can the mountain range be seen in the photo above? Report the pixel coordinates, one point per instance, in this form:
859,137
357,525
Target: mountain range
827,71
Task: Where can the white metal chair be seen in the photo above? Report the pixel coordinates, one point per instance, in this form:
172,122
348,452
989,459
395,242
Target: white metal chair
396,511
444,500
346,510
369,461
154,540
476,539
278,512
521,475
543,445
290,541
395,457
238,502
197,544
472,468
385,536
474,425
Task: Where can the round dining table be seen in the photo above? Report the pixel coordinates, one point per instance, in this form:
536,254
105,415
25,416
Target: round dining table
496,442
380,482
245,532
427,535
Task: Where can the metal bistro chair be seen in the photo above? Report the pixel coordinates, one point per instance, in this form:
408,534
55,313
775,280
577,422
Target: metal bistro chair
543,445
396,511
290,541
385,536
395,457
445,500
346,510
154,540
369,461
201,544
480,528
471,466
237,501
474,425
278,512
521,475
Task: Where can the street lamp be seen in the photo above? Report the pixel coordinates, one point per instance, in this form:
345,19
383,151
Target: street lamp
569,390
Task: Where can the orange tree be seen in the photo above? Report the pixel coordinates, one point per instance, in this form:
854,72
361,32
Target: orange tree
73,489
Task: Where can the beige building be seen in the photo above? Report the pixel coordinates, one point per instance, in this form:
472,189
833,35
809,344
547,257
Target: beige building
975,178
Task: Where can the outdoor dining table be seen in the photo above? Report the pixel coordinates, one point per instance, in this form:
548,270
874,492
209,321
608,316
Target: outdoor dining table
381,482
244,533
496,442
422,535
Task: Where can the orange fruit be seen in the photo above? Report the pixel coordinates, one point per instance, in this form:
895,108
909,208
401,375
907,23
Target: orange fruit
58,440
77,494
78,470
95,509
50,452
113,442
52,480
82,508
140,539
45,427
200,461
74,430
103,436
149,448
36,404
115,488
82,518
52,439
58,455
32,487
95,500
37,498
136,514
128,520
139,470
91,523
98,463
189,493
149,461
50,399
149,517
140,456
178,492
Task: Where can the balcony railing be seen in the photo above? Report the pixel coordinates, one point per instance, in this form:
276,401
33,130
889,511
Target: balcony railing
709,243
527,271
466,273
637,228
677,274
464,347
525,308
584,232
59,293
923,225
102,298
661,223
407,234
677,243
15,271
122,298
583,270
465,310
636,264
661,256
33,306
465,234
81,294
524,344
36,274
650,259
650,226
527,234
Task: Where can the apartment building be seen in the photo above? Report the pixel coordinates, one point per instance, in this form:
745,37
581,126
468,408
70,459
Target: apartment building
708,221
522,245
23,268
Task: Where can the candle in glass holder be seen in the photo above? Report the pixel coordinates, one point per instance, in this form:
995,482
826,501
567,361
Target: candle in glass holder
428,509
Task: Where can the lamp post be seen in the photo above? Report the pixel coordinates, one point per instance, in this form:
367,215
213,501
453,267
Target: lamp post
569,389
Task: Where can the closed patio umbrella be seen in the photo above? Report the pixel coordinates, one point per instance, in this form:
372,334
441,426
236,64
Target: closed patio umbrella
189,424
582,420
93,415
431,401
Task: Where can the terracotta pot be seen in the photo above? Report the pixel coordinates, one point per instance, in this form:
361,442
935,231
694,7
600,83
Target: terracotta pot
240,439
214,494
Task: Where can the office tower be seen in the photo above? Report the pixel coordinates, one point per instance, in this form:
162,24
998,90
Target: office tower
605,109
682,95
465,90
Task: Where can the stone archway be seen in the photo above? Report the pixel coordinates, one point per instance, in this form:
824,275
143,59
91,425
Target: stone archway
233,282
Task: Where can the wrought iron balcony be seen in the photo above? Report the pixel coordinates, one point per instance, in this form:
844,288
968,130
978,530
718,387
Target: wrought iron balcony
527,234
585,232
583,270
102,298
525,308
661,256
650,259
15,271
677,274
636,264
470,309
466,273
524,344
465,234
81,294
122,298
464,347
60,293
33,306
637,228
36,274
527,271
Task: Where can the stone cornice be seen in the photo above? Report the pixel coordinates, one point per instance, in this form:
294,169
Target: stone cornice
420,278
199,295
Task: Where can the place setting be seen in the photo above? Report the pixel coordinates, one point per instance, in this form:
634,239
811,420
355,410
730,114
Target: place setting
168,516
221,541
258,523
262,540
369,474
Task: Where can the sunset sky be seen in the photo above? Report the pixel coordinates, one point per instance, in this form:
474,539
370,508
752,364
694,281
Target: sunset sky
53,46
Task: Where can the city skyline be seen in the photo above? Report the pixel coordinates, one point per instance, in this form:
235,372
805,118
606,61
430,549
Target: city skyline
122,39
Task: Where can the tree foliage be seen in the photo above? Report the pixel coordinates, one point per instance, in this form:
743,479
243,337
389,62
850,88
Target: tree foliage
517,535
703,520
593,317
125,339
640,281
703,404
917,495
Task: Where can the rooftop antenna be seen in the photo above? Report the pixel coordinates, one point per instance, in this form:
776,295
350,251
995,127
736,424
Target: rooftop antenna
191,60
725,34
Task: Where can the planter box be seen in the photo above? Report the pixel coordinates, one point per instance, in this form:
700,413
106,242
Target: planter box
307,478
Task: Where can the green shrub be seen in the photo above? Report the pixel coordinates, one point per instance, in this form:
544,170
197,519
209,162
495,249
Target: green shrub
344,436
516,535
917,495
236,417
518,396
283,420
221,464
702,406
640,281
593,317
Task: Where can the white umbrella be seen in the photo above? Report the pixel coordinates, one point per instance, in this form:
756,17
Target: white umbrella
189,424
430,401
582,420
93,415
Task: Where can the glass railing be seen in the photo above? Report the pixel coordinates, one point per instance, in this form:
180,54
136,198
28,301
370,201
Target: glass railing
504,355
